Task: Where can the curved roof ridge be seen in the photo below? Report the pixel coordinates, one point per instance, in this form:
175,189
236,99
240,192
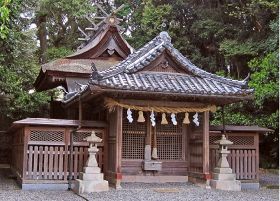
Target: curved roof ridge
150,51
151,47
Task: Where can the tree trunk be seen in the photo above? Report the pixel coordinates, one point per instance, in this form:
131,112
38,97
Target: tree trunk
42,36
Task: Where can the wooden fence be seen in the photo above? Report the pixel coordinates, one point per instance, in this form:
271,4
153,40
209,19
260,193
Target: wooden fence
43,153
243,157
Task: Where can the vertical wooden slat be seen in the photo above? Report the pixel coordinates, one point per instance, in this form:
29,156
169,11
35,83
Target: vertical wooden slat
41,156
24,134
55,162
86,155
81,159
50,163
241,163
35,162
237,165
256,144
60,169
253,164
46,161
67,154
229,159
250,164
233,155
30,161
75,161
245,164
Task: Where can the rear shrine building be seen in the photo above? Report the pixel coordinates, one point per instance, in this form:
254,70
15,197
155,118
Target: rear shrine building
150,106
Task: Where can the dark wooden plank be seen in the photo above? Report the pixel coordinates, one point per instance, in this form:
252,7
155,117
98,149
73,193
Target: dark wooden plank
66,153
237,170
55,169
81,159
256,139
75,162
51,152
24,134
233,165
46,161
41,156
241,163
245,164
30,161
254,176
250,164
60,168
205,139
161,103
35,162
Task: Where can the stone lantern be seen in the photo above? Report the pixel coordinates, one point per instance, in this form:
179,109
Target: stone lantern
91,179
223,178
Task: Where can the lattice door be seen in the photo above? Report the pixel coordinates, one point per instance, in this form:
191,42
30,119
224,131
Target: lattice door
170,143
134,133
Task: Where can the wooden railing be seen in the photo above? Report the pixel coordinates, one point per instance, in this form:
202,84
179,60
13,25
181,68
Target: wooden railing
44,153
243,157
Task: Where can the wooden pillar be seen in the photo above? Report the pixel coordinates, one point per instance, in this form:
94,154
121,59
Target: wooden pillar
148,141
206,145
113,174
26,134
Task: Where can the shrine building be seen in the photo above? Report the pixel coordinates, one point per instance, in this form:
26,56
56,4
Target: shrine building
150,106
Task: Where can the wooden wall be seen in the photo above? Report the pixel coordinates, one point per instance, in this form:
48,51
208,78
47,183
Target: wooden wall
43,153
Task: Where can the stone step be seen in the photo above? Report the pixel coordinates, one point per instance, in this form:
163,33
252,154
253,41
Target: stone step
224,177
91,176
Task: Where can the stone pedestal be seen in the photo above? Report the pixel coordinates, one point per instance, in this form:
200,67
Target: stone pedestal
222,176
91,179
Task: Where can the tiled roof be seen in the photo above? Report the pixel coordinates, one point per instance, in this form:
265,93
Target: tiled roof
172,83
127,75
77,65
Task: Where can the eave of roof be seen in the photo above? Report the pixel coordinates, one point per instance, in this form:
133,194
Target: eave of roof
55,122
241,128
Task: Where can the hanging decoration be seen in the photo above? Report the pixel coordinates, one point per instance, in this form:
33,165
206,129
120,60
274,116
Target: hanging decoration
186,119
129,115
141,117
111,104
195,119
163,119
153,119
173,119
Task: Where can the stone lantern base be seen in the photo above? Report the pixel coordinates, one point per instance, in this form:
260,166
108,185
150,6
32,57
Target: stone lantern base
91,180
226,185
224,179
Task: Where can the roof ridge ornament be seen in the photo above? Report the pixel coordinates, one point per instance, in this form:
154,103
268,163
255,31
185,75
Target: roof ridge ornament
109,20
165,36
95,74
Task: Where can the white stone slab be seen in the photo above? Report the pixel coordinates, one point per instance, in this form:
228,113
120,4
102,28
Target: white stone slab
226,185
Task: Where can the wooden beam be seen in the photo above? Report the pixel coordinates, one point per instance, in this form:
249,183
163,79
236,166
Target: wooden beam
161,103
206,143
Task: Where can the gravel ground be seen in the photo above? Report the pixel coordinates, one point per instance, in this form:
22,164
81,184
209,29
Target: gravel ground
267,178
9,191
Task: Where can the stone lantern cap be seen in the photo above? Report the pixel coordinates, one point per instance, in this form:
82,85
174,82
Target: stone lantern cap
93,138
223,141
